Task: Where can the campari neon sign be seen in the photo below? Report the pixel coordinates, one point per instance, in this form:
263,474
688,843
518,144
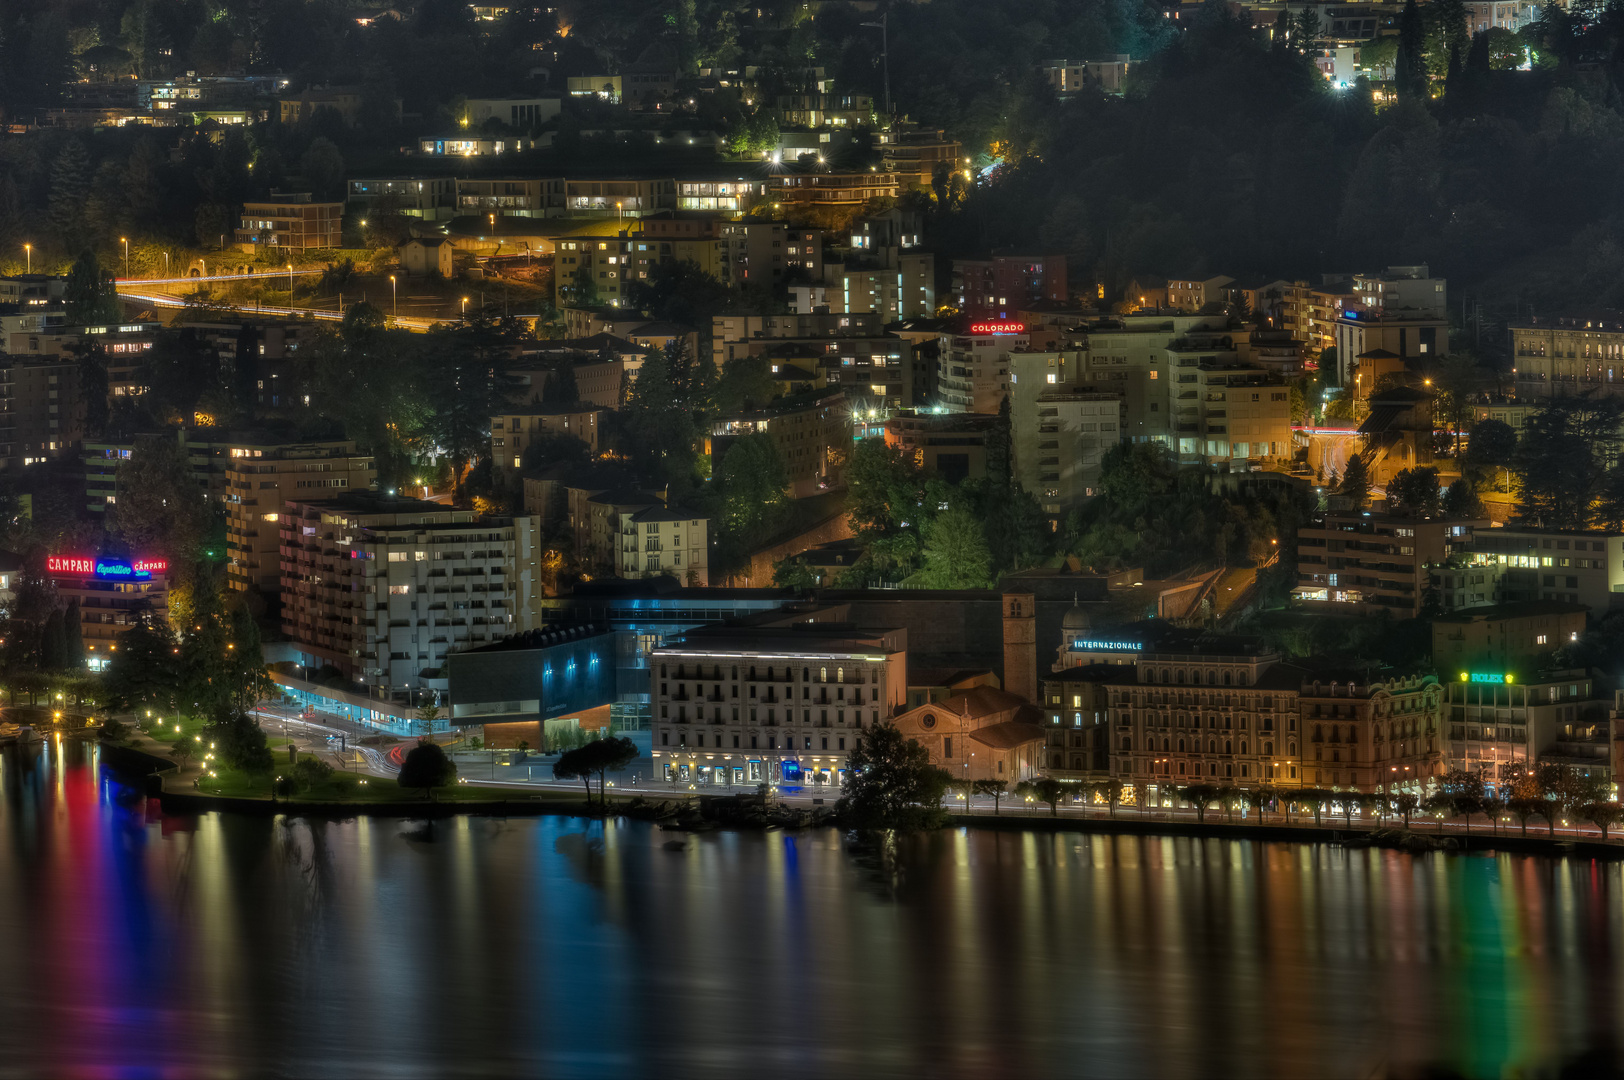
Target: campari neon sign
105,568
997,328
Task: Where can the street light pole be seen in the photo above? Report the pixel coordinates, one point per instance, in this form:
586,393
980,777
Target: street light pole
394,297
28,253
125,240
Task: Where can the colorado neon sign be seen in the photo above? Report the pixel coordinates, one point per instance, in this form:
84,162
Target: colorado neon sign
997,328
107,569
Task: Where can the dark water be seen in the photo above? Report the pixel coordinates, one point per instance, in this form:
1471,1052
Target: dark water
133,944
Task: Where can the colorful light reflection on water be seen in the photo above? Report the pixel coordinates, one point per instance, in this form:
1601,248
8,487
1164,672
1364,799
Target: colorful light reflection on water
137,944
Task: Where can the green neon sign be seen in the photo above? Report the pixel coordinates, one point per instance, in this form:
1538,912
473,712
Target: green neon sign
1493,678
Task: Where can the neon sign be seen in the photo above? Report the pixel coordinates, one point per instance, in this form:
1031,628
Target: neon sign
997,328
106,569
1488,677
1083,644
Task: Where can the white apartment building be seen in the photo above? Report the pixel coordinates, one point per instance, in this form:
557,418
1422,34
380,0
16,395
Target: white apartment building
780,705
384,588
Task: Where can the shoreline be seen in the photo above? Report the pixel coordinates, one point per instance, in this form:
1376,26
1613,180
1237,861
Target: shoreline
156,771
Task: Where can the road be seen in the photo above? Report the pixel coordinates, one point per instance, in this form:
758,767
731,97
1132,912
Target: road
164,300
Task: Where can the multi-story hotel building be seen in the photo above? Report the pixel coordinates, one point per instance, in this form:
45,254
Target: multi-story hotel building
771,704
1568,356
1500,723
383,588
1220,709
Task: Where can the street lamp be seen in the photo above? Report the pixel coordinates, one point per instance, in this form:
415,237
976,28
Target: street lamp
125,240
28,253
166,264
290,283
465,305
394,297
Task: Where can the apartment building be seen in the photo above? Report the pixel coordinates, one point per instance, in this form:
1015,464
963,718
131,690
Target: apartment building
741,335
1504,637
1071,76
1191,294
655,541
997,288
1402,311
1370,734
515,432
384,588
1058,440
904,290
1568,356
1521,564
952,446
259,478
526,197
832,190
812,433
1365,563
917,156
42,412
293,222
428,198
751,252
973,371
779,705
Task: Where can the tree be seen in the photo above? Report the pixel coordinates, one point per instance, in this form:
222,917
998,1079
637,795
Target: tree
659,430
1461,501
240,742
161,509
574,765
882,489
1493,444
1313,798
70,187
141,671
1414,492
753,489
1410,68
956,555
1259,799
1603,814
607,755
892,784
746,383
1525,808
309,772
1406,803
1355,485
89,294
243,666
1563,460
1378,55
323,168
1200,796
1049,790
428,714
427,767
997,789
1351,801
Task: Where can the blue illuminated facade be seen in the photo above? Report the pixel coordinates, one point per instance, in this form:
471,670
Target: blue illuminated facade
541,675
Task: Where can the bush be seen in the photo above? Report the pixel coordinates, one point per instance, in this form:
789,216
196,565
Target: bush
427,767
308,772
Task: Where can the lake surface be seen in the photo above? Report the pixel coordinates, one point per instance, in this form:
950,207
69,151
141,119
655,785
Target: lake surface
135,944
